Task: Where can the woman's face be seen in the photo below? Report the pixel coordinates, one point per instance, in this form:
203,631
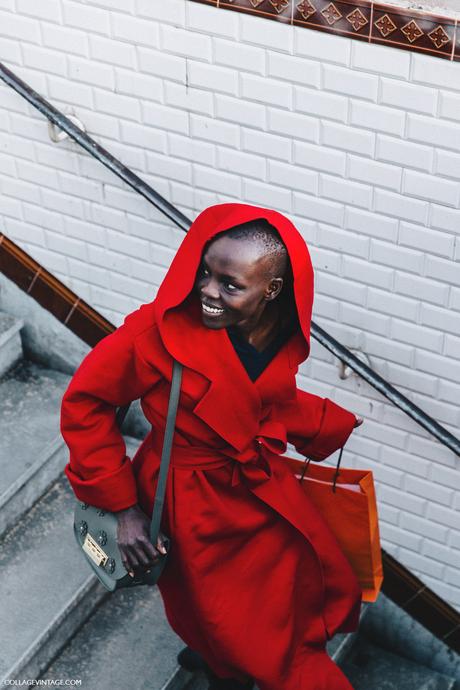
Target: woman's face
234,284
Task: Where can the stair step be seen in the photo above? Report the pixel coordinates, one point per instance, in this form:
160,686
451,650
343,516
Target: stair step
370,667
10,341
127,642
32,451
341,644
393,628
337,648
46,588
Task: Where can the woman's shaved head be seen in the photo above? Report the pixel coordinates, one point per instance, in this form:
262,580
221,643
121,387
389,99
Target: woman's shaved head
265,238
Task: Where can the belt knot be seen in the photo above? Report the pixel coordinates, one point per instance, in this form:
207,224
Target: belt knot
253,464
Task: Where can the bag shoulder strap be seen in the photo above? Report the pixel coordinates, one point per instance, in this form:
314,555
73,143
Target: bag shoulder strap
166,451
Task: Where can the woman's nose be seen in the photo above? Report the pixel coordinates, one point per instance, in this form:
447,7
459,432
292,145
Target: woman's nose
210,290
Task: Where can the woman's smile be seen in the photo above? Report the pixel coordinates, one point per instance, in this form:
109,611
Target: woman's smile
210,310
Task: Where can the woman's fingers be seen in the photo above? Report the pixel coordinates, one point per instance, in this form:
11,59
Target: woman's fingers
133,537
160,545
149,553
359,421
133,556
126,563
142,554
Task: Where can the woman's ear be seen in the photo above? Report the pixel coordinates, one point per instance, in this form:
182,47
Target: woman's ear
274,288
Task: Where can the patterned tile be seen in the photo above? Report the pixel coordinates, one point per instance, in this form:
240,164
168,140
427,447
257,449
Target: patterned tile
412,30
280,10
400,27
343,17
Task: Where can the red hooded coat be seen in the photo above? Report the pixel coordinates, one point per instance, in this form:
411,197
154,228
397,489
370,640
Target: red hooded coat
255,581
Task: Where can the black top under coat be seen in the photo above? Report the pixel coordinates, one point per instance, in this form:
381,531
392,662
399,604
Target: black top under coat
254,361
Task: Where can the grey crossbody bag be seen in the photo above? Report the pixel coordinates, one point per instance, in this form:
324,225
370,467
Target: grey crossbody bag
95,529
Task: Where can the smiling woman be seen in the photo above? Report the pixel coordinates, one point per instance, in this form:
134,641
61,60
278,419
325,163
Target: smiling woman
256,582
245,286
240,276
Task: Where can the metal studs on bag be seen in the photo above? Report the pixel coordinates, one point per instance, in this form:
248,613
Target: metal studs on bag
110,565
102,538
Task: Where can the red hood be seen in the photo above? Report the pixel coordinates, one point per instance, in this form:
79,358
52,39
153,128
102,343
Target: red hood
180,278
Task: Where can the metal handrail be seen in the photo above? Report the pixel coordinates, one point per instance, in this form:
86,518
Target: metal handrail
140,186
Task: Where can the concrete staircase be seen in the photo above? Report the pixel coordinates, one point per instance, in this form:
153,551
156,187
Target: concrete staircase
57,620
47,592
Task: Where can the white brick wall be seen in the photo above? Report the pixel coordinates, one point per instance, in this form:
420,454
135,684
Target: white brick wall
358,144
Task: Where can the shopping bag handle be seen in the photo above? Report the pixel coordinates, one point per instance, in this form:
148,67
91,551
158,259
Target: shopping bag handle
336,474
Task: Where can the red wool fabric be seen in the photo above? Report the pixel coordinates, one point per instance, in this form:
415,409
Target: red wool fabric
255,581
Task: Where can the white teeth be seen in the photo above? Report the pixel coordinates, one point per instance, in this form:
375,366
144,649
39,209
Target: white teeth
211,310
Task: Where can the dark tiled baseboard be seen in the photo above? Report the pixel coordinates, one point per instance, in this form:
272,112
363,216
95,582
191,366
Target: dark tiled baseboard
409,29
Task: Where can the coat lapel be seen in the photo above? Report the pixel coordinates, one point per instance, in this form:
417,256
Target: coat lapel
232,404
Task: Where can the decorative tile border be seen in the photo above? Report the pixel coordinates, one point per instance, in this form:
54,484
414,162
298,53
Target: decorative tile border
340,17
363,20
422,32
281,10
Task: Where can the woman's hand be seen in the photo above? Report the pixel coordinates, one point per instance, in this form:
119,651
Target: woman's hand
133,538
359,421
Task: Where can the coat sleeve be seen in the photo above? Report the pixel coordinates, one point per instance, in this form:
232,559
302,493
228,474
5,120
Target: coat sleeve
316,426
112,374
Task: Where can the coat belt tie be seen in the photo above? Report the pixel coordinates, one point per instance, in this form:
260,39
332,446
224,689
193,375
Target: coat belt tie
253,464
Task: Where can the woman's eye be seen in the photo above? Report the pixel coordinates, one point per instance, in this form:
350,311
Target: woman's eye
230,287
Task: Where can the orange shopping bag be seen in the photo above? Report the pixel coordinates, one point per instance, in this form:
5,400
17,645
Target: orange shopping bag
346,500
